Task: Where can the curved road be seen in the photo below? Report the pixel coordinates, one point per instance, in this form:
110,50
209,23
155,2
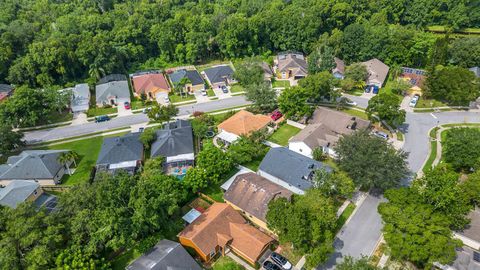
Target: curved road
57,133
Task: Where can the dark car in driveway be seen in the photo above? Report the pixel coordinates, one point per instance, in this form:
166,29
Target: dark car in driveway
268,265
280,260
224,89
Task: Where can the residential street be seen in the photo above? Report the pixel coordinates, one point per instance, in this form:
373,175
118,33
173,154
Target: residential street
125,121
360,235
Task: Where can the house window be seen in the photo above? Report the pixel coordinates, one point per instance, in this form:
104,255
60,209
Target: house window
35,193
212,253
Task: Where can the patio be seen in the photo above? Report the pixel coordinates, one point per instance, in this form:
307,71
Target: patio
178,169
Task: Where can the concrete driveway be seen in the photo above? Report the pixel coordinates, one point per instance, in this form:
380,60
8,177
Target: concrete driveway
360,235
219,93
200,97
121,108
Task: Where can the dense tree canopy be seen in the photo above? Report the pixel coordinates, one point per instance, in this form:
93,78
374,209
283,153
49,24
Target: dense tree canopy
370,161
9,140
386,107
460,148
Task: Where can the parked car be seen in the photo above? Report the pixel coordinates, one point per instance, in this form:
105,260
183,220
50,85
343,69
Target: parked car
381,134
414,101
276,115
281,261
146,110
224,89
268,265
347,101
204,92
126,104
166,100
102,118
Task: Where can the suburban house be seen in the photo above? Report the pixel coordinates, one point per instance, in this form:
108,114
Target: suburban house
80,98
250,193
339,70
221,229
290,65
41,166
325,129
377,74
6,90
289,169
267,72
165,255
219,76
194,83
414,76
241,123
152,84
468,256
112,90
475,70
18,192
175,143
120,153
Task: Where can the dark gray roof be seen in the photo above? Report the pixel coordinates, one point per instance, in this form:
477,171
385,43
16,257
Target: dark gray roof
192,75
111,78
114,88
32,164
17,192
475,70
5,88
166,255
219,73
290,167
120,149
175,139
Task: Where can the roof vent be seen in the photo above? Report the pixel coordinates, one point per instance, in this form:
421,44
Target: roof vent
311,166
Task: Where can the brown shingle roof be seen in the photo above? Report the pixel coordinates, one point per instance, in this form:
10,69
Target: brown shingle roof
252,193
244,123
294,62
219,224
327,126
377,71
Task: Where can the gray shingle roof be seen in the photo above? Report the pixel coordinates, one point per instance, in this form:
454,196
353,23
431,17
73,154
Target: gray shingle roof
6,88
32,164
192,75
219,73
111,78
175,139
114,88
17,192
166,255
290,167
80,98
119,149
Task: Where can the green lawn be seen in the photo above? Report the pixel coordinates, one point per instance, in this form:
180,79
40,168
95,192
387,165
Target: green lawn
87,150
345,215
283,134
400,136
236,88
429,103
100,111
277,83
210,92
176,98
58,117
226,263
356,113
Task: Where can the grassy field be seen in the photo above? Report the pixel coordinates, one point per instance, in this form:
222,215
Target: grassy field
283,134
356,113
210,92
442,29
237,88
277,83
226,263
176,98
100,111
57,117
345,215
429,103
87,150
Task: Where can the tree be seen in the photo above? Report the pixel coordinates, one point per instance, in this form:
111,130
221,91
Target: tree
75,259
318,86
307,222
336,184
249,72
399,86
454,85
318,154
66,157
370,161
470,188
9,139
29,238
460,148
293,102
386,106
162,113
201,124
414,231
357,72
348,84
465,52
180,86
153,166
321,59
349,263
245,150
262,95
147,137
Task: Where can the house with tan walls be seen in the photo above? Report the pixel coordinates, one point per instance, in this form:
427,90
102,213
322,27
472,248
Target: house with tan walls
250,194
241,123
291,65
194,81
153,84
221,229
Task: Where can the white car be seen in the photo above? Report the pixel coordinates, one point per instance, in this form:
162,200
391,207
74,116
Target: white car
166,100
204,92
414,101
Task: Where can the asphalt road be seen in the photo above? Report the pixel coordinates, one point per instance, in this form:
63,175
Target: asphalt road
360,235
125,121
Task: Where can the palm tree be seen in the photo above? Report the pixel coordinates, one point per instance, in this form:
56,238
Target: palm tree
73,156
66,157
96,72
